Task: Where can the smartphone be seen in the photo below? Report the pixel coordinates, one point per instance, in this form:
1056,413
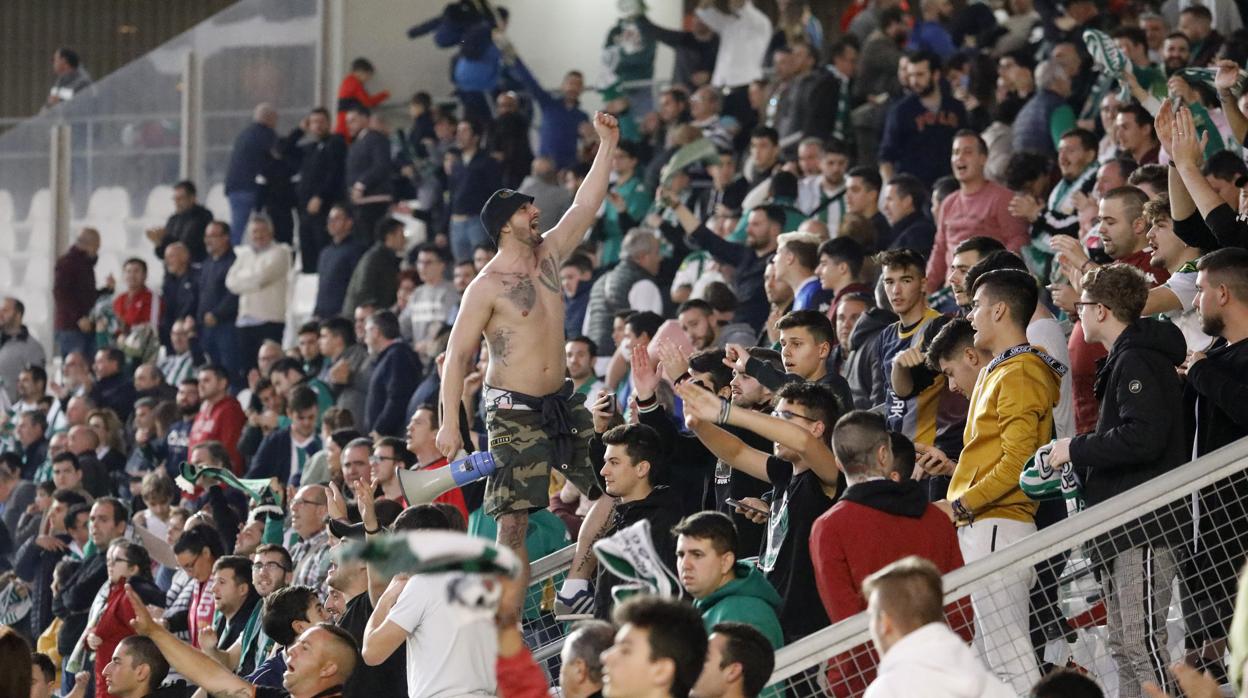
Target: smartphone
738,503
610,402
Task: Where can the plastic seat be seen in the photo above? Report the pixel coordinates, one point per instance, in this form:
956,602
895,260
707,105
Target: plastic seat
216,202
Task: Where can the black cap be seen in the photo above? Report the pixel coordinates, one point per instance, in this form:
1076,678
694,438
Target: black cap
502,205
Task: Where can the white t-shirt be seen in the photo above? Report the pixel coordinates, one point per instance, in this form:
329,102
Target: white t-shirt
451,650
1047,334
1183,285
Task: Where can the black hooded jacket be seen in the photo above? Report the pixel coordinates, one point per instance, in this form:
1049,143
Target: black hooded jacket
1139,433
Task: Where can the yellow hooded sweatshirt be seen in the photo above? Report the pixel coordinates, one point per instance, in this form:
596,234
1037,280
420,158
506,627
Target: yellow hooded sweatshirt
1010,416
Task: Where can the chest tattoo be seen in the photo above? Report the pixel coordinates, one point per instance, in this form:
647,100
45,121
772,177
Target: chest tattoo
523,293
549,275
500,345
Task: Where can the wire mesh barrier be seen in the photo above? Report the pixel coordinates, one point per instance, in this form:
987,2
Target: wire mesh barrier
1133,584
542,633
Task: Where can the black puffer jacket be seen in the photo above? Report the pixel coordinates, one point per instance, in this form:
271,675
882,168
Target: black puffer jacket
1140,432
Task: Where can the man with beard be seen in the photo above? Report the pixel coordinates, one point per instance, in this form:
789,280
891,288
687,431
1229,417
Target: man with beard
919,129
1176,52
1215,380
580,353
1076,159
350,607
697,319
1178,257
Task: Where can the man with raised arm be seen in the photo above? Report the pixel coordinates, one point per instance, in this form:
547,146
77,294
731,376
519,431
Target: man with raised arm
534,420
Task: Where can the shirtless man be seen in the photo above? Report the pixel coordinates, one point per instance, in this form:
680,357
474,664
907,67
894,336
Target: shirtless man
517,305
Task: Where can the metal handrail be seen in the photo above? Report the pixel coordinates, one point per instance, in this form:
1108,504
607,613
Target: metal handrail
1094,521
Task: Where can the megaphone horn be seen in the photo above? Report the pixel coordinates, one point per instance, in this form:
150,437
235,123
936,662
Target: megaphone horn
424,486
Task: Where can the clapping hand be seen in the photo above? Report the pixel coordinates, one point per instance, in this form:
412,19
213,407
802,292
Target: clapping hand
1186,149
673,359
336,502
644,374
736,357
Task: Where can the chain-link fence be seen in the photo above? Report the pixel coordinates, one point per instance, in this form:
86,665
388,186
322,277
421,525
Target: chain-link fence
1135,584
542,633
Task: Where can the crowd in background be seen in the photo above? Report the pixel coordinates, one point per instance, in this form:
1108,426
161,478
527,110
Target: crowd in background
852,278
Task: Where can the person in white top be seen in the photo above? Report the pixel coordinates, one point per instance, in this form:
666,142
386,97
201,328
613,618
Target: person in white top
920,655
451,649
744,33
259,278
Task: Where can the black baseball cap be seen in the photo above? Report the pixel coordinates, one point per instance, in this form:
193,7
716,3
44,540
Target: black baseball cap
502,205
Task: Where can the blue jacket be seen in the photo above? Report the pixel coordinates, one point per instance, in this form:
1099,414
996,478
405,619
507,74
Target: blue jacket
214,297
250,155
272,459
919,141
180,296
558,133
396,373
574,314
914,231
1033,125
333,268
932,36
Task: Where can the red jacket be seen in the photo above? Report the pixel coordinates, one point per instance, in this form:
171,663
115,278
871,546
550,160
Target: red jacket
519,676
134,309
350,93
113,625
222,421
877,523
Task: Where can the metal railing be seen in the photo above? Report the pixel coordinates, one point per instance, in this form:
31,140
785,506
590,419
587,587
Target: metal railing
1094,538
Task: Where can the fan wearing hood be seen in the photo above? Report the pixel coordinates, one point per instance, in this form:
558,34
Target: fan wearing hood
882,518
723,589
1139,436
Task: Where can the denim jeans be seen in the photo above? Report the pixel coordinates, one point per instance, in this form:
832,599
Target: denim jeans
242,203
465,235
220,345
75,340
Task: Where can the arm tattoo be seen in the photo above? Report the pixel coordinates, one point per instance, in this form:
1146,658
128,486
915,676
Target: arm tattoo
583,562
500,344
549,276
522,293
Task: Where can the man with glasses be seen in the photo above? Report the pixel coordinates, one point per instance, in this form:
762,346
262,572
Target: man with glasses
307,521
802,472
1140,435
270,571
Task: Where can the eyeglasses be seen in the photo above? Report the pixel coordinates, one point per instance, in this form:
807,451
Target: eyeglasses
786,414
190,566
270,563
1079,305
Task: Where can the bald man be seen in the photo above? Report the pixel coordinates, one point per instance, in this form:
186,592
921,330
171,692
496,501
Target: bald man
307,518
179,291
73,293
317,663
247,159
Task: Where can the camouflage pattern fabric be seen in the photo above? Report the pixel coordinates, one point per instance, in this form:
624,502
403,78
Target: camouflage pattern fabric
524,453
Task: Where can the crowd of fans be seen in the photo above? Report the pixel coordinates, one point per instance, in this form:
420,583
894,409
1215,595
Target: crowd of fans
848,276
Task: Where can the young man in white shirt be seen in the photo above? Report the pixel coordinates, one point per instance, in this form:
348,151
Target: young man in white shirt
451,649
